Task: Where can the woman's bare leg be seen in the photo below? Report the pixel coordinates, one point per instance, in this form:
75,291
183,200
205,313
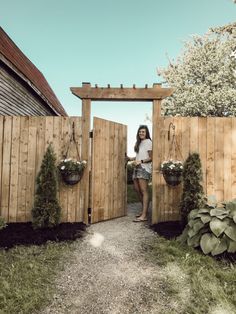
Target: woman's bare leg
138,190
143,184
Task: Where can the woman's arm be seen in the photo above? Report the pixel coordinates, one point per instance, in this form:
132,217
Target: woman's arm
130,158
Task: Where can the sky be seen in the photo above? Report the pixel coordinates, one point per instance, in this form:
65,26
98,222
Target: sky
108,42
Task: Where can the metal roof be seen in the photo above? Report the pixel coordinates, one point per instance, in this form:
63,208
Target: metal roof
15,56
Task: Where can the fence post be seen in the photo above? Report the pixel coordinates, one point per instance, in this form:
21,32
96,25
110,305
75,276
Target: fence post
85,153
156,114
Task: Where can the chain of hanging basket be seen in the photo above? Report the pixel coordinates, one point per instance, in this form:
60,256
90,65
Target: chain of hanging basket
73,176
171,176
174,145
72,140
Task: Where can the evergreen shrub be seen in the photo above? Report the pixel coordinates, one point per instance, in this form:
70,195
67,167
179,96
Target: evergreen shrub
46,211
193,195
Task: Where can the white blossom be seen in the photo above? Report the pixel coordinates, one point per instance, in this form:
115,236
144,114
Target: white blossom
204,76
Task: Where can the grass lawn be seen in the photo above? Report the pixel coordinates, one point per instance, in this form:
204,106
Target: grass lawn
27,275
198,283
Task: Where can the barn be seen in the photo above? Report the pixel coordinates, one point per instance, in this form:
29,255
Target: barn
24,91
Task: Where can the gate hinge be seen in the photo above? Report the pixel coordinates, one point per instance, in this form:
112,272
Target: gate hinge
89,215
91,134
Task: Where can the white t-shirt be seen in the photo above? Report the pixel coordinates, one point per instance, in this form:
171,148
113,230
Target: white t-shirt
144,147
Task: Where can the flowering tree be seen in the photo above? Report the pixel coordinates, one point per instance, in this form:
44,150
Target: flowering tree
204,76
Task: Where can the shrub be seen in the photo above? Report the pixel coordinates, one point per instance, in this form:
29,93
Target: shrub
46,211
213,228
193,195
130,169
2,223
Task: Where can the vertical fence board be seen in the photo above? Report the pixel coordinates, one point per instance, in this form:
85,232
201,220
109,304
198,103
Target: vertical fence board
1,156
111,166
65,138
30,171
219,158
202,140
227,159
23,158
14,169
125,172
210,158
233,158
6,167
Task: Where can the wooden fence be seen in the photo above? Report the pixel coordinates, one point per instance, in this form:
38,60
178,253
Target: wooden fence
215,140
23,142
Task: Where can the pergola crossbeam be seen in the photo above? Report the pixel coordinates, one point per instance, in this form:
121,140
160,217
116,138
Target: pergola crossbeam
121,94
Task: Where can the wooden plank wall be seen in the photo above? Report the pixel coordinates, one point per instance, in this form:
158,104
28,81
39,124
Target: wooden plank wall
215,140
17,99
108,170
23,142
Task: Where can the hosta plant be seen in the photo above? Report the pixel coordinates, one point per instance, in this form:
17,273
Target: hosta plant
2,223
213,228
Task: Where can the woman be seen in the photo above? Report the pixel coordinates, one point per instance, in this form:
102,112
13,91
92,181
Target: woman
143,169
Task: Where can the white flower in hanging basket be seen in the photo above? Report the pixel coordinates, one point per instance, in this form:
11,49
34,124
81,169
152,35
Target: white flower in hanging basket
172,166
70,166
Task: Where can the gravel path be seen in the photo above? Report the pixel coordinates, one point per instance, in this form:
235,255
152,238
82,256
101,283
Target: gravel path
108,272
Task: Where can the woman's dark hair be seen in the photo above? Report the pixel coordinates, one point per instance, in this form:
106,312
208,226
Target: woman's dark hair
138,141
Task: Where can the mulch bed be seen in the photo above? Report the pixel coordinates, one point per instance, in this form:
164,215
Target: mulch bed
24,234
168,229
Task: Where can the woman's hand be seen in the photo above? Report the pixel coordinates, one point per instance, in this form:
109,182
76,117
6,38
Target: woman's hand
137,163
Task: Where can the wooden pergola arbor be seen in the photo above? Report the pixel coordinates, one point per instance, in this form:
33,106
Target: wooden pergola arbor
87,93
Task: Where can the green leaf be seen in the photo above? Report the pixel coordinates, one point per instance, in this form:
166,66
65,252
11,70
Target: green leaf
232,246
219,211
211,199
218,226
220,247
221,217
191,223
231,206
205,218
230,231
192,232
194,241
184,235
198,225
208,242
204,210
193,214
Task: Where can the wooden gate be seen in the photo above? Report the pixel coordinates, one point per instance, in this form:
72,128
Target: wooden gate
108,175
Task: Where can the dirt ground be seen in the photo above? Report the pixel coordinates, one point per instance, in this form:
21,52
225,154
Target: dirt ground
108,273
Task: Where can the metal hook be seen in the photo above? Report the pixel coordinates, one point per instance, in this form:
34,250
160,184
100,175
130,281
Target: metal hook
171,125
73,131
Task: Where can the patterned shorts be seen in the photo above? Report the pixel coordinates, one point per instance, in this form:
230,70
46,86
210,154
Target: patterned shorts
141,173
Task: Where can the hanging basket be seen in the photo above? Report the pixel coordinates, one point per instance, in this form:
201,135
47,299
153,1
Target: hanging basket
71,178
173,179
71,169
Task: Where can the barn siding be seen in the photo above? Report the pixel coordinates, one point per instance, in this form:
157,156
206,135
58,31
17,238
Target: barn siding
18,99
